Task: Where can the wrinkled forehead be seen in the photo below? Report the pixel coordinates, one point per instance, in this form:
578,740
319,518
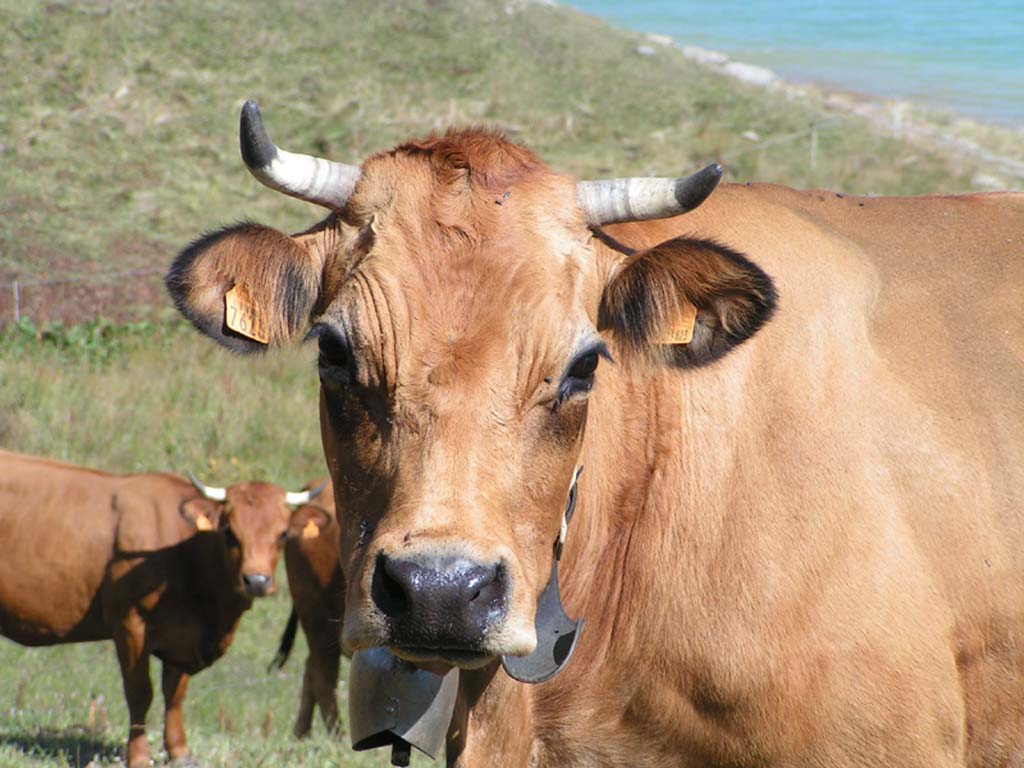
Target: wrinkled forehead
256,505
465,262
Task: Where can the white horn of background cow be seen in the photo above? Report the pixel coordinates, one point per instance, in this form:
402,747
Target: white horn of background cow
309,178
297,498
211,492
611,201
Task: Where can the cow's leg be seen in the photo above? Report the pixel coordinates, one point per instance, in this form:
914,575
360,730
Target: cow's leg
492,724
138,690
304,722
175,684
325,681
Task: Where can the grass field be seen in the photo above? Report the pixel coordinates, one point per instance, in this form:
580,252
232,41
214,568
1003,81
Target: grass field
102,395
118,144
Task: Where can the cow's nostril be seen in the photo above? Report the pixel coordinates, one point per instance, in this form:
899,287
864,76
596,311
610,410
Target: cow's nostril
388,593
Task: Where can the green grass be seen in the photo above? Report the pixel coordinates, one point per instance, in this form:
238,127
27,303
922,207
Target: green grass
153,396
118,144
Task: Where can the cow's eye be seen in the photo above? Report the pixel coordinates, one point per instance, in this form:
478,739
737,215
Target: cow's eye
584,367
579,378
230,538
335,362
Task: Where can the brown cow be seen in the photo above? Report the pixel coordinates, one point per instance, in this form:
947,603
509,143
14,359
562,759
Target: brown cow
800,535
93,556
317,587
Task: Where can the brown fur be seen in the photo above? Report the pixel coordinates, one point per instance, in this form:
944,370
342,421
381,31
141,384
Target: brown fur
317,587
92,556
809,552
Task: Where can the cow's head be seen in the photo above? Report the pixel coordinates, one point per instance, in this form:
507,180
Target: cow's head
255,520
463,308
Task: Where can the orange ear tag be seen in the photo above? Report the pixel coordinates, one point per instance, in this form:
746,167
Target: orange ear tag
242,316
203,523
682,328
311,531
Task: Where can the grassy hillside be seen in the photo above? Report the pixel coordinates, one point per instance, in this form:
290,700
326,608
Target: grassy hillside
119,119
118,144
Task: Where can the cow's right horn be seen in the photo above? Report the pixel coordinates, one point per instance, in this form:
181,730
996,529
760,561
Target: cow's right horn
611,201
210,492
314,179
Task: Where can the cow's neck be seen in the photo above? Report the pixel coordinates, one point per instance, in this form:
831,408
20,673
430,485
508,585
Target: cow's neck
663,452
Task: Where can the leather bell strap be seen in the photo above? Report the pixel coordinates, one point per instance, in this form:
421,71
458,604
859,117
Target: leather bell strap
557,634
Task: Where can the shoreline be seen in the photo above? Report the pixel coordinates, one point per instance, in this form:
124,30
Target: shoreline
1000,148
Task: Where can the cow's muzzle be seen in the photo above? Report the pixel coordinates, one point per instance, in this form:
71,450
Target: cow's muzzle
440,607
402,705
256,584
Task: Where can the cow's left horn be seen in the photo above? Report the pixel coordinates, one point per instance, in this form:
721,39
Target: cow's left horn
611,201
314,179
298,498
209,491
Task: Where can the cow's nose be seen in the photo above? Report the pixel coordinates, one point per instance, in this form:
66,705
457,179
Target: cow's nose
439,602
256,584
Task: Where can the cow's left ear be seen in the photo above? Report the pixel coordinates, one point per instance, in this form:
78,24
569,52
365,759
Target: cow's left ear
250,287
686,302
307,521
203,513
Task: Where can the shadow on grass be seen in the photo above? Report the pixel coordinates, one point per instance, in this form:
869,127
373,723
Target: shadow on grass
75,745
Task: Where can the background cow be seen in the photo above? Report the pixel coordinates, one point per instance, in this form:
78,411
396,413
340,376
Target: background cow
146,560
799,539
317,586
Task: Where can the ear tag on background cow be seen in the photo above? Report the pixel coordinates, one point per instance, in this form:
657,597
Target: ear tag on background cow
203,523
682,329
242,315
311,530
557,634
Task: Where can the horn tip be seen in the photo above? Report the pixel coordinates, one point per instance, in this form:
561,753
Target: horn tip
258,151
692,191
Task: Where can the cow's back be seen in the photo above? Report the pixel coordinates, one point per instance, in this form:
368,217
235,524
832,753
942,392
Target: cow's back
944,341
57,525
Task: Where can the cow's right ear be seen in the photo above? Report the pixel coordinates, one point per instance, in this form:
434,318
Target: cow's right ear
202,513
686,302
308,521
248,287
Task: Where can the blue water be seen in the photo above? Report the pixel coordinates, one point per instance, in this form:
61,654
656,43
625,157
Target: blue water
962,55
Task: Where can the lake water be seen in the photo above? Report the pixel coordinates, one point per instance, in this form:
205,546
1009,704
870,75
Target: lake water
962,55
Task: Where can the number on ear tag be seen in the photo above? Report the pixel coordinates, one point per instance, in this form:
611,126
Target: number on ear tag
682,329
242,316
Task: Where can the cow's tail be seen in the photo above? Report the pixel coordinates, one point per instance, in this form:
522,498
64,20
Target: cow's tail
284,648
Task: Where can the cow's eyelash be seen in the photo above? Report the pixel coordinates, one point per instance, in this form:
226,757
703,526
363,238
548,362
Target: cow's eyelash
575,381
